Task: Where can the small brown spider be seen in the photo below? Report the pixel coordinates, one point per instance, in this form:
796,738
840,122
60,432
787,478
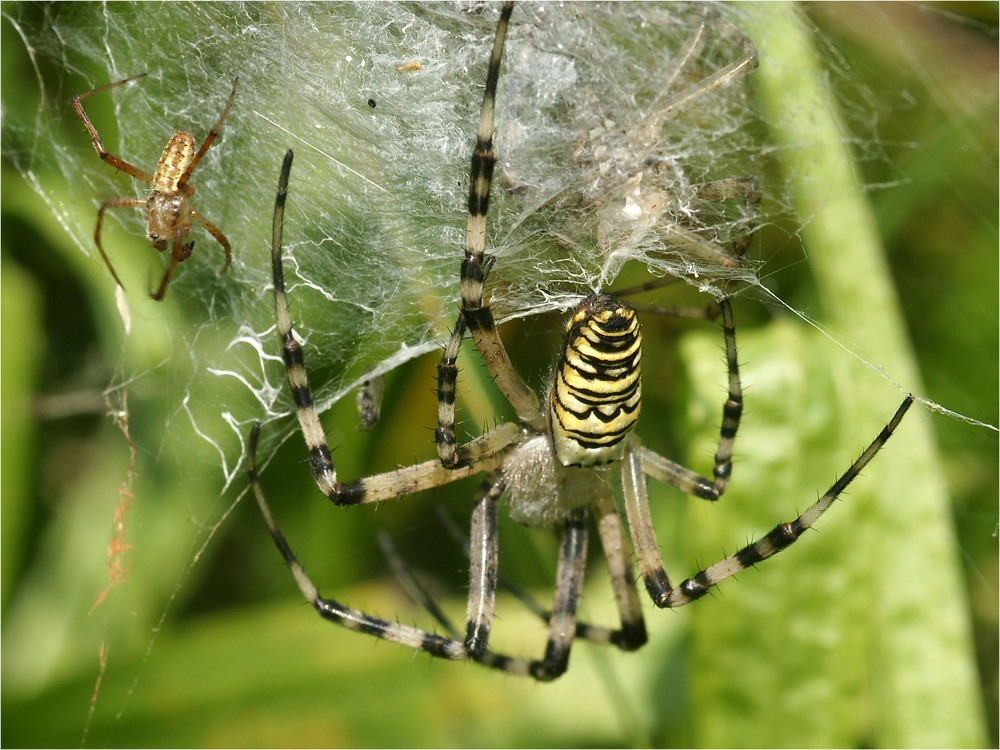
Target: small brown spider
168,213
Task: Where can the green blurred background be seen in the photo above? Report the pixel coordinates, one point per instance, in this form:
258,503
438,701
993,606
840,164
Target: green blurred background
206,643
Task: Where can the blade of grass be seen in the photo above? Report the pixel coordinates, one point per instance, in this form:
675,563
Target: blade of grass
886,656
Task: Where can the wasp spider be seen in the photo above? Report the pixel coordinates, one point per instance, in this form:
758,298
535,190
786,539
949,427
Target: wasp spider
552,464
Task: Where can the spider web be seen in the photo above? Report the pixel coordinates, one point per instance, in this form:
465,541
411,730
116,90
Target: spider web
375,226
376,214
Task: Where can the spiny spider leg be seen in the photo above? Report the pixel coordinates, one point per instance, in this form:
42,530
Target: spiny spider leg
569,581
780,537
478,314
632,633
481,454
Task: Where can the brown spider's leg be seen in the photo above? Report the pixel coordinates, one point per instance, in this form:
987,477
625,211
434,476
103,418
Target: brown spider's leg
113,203
781,536
180,250
209,139
475,266
219,237
168,272
670,103
110,158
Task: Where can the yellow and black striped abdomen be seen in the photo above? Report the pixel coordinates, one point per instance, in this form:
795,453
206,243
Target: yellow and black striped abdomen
596,393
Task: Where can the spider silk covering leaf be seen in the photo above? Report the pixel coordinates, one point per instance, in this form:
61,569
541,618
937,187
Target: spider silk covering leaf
381,104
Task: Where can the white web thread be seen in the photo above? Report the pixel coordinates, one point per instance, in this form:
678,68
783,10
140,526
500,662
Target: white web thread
147,112
337,227
852,350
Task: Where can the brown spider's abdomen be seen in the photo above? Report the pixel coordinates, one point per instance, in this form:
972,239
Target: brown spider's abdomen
596,392
174,161
167,212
